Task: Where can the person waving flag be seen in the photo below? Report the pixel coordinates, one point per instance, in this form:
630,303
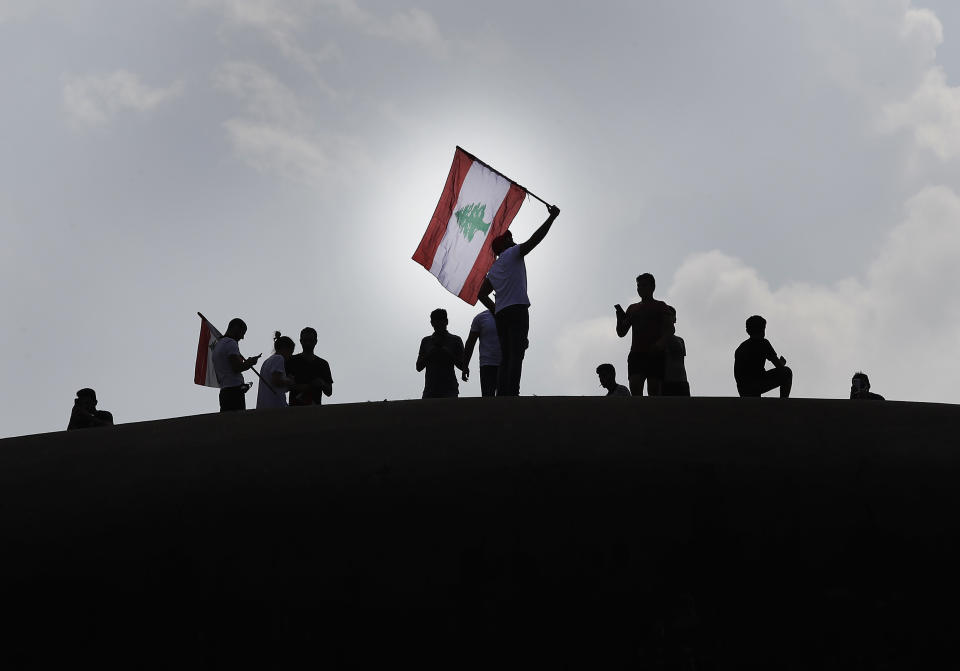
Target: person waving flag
477,205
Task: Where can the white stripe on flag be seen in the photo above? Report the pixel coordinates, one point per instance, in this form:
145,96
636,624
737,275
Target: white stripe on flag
204,372
483,192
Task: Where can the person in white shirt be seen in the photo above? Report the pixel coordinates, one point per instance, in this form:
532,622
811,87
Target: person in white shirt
229,365
484,329
508,278
274,381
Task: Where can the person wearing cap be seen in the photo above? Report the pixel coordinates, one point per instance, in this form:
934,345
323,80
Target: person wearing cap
85,414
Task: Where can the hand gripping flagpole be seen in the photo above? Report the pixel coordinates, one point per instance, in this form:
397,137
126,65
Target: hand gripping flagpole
251,367
492,169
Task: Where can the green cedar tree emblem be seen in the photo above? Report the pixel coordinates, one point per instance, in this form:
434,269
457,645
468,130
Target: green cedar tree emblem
470,220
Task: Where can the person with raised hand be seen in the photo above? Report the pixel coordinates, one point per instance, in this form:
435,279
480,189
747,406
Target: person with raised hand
507,277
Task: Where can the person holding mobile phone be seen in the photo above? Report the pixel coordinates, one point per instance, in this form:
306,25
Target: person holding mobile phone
229,365
439,354
649,321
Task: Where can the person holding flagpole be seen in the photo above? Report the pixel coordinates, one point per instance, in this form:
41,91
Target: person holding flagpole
507,277
229,365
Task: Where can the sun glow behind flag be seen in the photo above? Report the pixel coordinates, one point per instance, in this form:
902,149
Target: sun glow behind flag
477,205
204,374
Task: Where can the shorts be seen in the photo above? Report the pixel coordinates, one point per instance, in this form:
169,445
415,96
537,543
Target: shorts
646,365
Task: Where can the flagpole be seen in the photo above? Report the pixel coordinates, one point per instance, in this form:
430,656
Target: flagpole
492,169
251,367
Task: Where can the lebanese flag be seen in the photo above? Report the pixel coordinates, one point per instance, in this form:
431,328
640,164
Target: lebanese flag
204,373
476,206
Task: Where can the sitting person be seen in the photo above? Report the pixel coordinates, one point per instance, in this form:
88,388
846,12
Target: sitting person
85,414
674,350
860,388
608,380
749,360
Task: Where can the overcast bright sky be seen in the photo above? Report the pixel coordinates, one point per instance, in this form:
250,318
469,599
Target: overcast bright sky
279,160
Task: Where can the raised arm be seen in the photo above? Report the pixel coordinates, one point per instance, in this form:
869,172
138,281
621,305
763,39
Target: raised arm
540,233
623,323
484,295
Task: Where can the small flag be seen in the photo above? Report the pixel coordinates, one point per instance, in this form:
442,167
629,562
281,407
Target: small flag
204,374
476,206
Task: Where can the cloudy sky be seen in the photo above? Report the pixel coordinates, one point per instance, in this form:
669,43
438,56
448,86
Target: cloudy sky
279,160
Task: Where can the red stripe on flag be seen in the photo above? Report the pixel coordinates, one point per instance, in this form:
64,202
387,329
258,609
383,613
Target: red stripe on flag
203,354
501,222
427,249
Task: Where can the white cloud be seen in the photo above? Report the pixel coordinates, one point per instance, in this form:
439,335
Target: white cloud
413,26
276,136
262,93
281,20
900,322
92,100
275,150
931,114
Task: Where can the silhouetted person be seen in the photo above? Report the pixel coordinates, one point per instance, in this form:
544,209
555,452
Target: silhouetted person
274,380
311,372
648,319
860,388
608,380
484,329
508,278
439,354
749,362
674,350
229,365
85,414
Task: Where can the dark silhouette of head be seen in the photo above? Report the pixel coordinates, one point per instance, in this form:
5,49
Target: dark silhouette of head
308,338
438,319
646,284
860,382
756,326
87,398
236,329
608,375
502,242
283,345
